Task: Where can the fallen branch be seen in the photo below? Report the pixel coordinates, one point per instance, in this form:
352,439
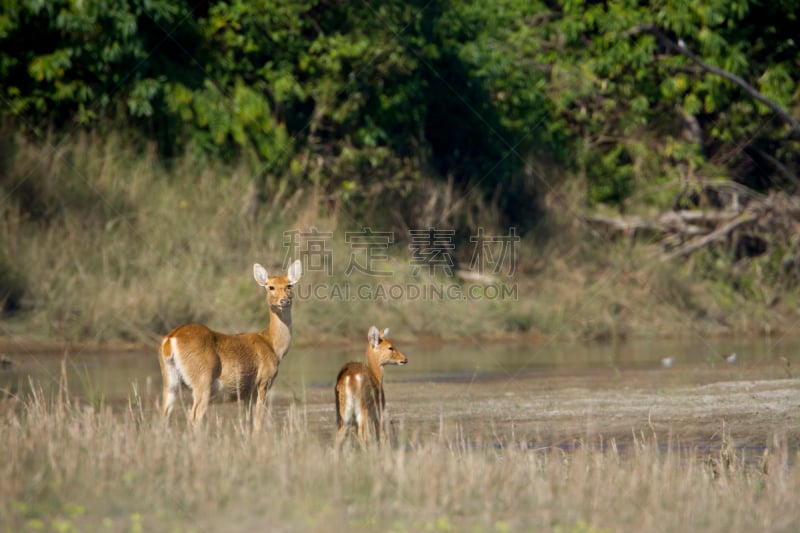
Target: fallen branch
772,220
624,224
677,218
724,231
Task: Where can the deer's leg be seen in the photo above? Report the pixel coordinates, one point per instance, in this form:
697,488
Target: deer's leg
170,396
341,433
171,378
200,406
261,400
376,424
341,417
362,420
201,391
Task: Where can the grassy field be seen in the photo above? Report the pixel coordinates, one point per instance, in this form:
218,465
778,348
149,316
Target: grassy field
72,465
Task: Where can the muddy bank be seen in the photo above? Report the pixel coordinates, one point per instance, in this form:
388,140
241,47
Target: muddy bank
686,407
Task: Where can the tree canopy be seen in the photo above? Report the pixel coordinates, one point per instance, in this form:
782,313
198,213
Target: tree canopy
634,98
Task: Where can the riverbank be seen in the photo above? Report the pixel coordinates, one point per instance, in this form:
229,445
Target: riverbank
105,244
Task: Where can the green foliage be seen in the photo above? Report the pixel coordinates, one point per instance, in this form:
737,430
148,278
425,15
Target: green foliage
457,89
611,179
637,90
74,62
764,279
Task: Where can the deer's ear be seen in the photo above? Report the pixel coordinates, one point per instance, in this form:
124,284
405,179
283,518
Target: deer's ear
294,272
385,333
374,336
260,274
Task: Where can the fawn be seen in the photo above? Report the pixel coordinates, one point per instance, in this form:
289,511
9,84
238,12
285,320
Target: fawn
359,388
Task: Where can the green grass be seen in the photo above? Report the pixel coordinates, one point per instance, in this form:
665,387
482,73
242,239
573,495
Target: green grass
69,465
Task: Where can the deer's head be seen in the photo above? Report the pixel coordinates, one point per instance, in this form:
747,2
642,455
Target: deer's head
380,346
279,288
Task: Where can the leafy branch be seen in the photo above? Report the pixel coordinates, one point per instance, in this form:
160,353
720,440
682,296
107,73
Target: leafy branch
680,47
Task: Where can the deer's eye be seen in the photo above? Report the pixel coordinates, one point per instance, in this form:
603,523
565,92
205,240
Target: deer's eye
272,287
391,348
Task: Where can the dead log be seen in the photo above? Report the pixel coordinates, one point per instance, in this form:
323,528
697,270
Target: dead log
627,225
716,235
750,229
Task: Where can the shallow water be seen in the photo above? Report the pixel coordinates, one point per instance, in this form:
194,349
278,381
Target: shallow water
116,375
538,395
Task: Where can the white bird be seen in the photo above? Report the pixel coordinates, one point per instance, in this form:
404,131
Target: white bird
666,362
730,358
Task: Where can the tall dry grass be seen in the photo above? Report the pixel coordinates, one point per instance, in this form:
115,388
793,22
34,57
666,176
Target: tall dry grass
72,466
103,241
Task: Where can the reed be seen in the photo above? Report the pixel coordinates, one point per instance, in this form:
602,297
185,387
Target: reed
102,241
69,465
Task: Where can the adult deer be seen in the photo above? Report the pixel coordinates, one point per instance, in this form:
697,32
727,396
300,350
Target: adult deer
231,366
359,388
